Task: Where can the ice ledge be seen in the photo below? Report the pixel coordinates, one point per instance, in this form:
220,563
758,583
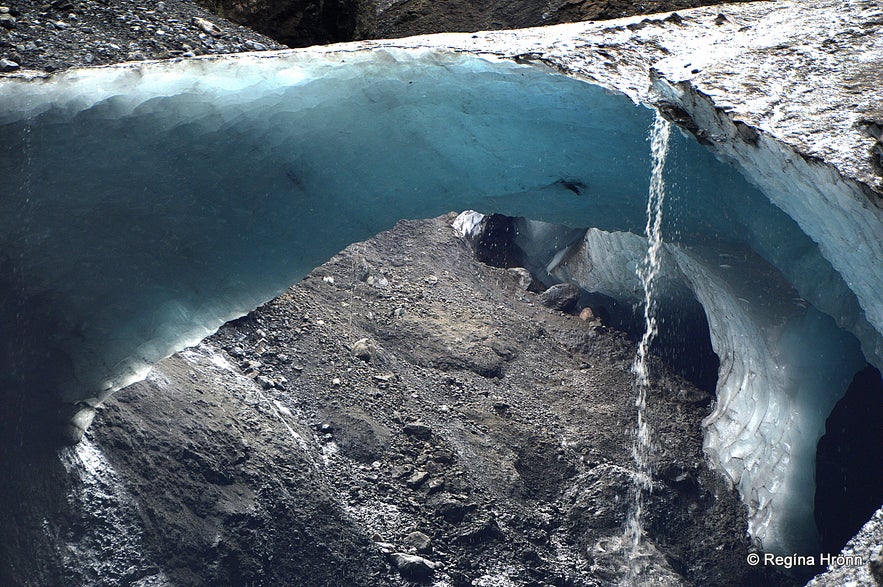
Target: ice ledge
805,73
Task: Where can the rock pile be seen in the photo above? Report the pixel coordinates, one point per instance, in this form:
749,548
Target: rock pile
51,36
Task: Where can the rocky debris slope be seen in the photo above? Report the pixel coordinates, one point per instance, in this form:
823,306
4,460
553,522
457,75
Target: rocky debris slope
301,23
66,33
48,36
404,413
399,18
861,560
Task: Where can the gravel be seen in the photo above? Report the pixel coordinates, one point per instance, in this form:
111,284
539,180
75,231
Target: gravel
70,33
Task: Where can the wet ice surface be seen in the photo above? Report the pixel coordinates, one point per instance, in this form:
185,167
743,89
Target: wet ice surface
144,207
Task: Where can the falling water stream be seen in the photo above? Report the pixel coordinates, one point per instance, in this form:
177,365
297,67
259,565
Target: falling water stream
647,272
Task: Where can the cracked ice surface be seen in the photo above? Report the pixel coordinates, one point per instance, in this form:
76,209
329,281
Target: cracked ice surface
144,205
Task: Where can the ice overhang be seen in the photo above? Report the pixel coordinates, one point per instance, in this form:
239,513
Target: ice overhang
145,204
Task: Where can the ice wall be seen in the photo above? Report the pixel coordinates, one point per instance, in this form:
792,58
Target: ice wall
143,206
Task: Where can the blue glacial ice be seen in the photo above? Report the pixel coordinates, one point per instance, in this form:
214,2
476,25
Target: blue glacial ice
143,206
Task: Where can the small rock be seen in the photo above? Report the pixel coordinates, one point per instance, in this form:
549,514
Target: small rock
7,21
206,26
402,471
444,457
255,46
560,297
264,382
8,65
480,530
452,511
413,567
250,366
587,314
380,282
361,269
417,479
420,542
418,430
336,382
522,277
385,547
383,381
365,349
501,407
434,486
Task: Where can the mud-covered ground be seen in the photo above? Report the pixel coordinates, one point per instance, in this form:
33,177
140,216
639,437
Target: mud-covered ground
473,437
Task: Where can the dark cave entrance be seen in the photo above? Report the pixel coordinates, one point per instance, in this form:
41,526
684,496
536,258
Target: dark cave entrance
684,339
849,462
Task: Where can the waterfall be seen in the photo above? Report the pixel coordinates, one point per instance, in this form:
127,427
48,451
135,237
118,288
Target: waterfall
647,271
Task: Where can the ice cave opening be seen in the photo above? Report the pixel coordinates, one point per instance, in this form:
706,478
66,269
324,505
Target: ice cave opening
144,206
683,342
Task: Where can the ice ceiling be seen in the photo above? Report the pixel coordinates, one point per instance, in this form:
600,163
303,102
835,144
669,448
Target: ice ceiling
141,208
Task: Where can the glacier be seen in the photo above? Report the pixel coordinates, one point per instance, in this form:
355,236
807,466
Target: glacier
145,205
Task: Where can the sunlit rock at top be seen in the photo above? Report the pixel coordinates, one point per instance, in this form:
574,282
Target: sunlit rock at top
143,207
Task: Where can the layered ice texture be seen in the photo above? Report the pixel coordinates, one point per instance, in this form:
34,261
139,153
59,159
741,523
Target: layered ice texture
141,207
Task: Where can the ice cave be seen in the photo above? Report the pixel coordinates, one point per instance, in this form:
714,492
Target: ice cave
142,207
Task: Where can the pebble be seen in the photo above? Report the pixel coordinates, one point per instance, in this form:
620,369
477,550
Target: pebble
560,297
379,282
420,542
383,381
522,276
7,65
385,547
206,26
452,510
418,430
7,20
255,46
365,349
434,486
417,479
413,567
264,382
